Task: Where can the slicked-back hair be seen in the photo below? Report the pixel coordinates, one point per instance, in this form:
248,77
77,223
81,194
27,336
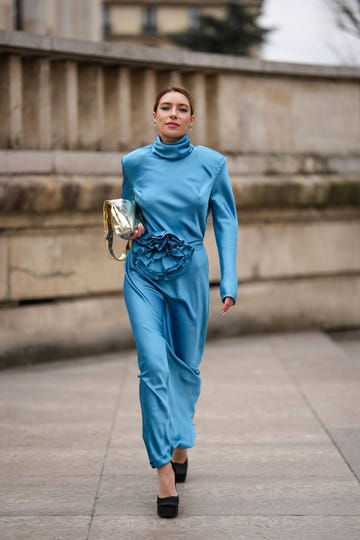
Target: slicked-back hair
174,89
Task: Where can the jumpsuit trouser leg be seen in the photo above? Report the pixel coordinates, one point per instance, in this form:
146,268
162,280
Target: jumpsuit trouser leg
169,322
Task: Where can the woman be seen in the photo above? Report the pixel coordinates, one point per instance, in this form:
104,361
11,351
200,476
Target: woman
166,284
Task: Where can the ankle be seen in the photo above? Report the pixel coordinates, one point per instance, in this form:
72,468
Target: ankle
179,455
166,476
165,471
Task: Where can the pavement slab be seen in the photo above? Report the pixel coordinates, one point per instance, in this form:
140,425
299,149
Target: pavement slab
47,461
213,494
44,527
277,453
46,495
229,527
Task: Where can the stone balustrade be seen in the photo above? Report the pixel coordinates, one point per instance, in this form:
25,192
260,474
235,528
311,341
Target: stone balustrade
67,94
69,110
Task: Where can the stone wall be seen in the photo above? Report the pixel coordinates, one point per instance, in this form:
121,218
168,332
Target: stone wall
70,109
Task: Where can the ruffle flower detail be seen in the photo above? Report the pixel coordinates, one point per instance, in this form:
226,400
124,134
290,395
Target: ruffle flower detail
161,255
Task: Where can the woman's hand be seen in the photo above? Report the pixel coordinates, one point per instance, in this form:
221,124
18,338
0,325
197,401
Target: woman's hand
228,303
139,231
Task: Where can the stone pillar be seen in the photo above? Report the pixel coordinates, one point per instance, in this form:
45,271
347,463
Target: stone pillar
125,128
80,19
36,104
72,105
11,103
213,108
94,24
39,16
137,107
63,18
168,78
112,108
198,91
91,106
7,15
44,104
175,78
149,97
65,110
232,125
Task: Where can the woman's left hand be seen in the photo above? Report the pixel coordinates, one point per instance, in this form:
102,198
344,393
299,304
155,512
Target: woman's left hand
228,303
139,231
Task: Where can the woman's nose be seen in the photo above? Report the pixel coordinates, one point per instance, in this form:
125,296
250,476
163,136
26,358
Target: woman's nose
173,112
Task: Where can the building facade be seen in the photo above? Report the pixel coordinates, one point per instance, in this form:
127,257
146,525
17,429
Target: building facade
80,19
142,22
149,22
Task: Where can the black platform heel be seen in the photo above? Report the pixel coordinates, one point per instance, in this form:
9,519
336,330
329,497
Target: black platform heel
168,507
180,470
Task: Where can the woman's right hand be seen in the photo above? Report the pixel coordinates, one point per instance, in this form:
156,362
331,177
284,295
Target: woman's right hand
139,231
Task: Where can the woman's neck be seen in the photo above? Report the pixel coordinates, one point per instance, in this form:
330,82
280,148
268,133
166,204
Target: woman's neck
177,149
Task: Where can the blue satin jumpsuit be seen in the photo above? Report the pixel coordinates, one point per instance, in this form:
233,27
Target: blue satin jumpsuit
166,283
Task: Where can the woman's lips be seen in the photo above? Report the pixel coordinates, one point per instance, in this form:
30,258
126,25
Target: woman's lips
172,124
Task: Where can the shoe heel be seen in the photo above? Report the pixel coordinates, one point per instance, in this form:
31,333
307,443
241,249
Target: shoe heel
180,470
168,507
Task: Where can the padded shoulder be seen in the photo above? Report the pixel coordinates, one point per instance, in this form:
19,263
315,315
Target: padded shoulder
210,154
132,159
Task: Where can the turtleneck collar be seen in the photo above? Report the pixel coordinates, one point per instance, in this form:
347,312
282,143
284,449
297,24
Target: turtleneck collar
176,150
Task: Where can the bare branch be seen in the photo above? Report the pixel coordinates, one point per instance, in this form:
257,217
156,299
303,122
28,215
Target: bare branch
347,13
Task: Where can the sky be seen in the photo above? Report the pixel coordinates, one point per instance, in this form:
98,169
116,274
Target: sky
306,32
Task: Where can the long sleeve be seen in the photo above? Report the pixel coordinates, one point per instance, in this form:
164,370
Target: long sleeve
127,190
225,224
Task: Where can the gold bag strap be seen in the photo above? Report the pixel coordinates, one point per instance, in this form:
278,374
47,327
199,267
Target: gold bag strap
109,233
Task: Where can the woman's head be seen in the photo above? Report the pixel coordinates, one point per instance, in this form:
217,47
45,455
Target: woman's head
173,113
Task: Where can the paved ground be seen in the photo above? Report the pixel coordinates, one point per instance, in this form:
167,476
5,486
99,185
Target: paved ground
278,453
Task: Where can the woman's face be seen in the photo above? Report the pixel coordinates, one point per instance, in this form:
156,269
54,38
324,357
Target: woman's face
173,116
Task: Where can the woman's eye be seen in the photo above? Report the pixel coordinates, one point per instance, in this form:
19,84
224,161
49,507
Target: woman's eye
164,108
183,110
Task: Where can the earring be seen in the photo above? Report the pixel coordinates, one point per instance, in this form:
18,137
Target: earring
155,123
190,127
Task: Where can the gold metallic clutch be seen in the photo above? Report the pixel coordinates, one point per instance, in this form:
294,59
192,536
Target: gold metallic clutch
121,217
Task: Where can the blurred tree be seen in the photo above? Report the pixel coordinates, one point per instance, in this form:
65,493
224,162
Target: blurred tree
347,13
237,34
